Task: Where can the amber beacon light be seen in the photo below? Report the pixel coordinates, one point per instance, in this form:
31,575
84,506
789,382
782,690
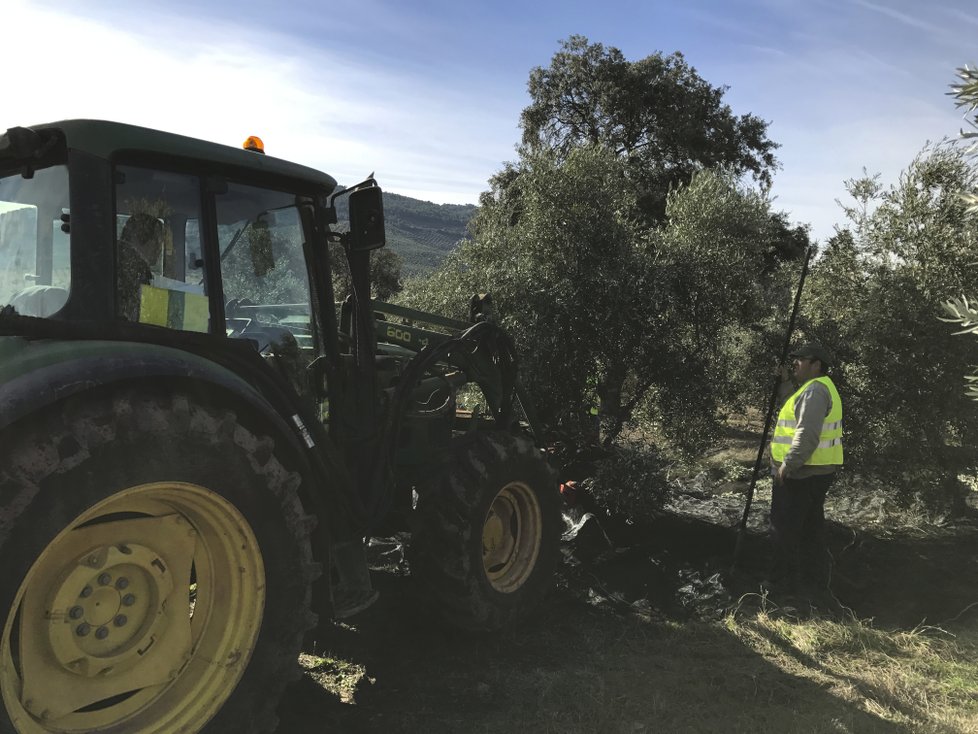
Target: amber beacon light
254,143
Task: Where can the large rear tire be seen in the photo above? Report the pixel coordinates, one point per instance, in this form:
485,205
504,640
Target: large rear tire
156,570
486,533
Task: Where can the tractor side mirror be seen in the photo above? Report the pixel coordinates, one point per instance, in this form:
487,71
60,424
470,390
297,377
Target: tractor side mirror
367,219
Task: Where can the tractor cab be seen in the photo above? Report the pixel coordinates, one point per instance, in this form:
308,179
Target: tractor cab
158,238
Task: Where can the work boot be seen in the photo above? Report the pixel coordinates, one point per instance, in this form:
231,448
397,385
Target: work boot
353,592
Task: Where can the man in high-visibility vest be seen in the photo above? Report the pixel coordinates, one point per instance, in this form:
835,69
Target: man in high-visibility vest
806,453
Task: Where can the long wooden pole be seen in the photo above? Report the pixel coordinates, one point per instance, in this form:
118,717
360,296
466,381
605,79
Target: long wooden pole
772,403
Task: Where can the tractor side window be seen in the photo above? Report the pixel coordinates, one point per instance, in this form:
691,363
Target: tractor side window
263,268
159,263
35,267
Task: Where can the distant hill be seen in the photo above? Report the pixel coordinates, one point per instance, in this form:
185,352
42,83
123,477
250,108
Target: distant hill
422,233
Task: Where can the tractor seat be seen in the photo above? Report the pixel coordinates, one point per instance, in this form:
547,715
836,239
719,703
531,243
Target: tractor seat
39,300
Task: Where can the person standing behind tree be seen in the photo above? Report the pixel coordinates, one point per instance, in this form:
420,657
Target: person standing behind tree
806,453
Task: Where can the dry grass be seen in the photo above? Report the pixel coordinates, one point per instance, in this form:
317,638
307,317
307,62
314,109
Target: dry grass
584,667
579,669
922,680
339,677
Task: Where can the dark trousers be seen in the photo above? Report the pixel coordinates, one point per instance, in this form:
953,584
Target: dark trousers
802,560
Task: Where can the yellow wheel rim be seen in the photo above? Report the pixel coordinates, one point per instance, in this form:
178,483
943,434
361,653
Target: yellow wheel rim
141,614
511,537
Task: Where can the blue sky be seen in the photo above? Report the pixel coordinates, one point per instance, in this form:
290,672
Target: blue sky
428,94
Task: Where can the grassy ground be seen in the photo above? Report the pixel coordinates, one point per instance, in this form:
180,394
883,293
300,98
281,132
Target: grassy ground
919,680
653,632
579,670
593,660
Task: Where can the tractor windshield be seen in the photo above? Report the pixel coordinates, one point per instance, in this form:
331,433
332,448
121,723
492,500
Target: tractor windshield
35,269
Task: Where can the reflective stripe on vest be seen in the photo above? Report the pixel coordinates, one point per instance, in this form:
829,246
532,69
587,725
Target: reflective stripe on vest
829,449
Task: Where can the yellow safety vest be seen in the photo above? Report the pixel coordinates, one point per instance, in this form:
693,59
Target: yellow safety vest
173,308
829,449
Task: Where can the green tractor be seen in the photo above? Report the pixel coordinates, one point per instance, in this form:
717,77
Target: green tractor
195,439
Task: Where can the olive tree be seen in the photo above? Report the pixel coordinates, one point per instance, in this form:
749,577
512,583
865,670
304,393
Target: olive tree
608,311
657,115
724,300
555,243
626,251
873,299
385,273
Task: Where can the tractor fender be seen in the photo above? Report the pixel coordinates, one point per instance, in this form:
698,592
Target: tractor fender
38,374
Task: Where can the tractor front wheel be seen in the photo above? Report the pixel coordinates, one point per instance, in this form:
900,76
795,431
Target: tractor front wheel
485,541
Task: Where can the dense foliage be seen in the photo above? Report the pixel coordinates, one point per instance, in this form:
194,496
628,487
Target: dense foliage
657,114
385,273
550,256
874,299
640,271
643,321
624,251
960,310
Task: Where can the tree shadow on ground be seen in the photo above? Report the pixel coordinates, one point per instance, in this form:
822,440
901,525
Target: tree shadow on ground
623,646
905,581
897,579
573,667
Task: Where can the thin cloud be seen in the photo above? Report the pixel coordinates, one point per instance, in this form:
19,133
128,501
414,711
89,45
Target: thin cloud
872,63
744,27
328,111
429,96
775,53
962,17
904,18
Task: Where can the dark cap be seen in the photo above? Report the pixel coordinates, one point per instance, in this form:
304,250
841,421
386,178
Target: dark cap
812,350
